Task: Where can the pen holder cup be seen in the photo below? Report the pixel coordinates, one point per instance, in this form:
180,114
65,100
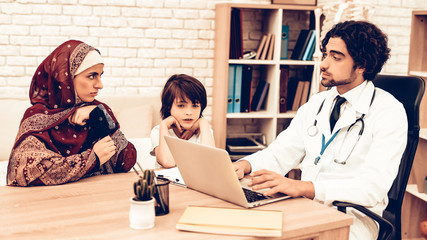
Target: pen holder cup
162,196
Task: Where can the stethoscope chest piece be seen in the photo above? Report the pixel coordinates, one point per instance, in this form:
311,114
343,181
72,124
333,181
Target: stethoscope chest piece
312,131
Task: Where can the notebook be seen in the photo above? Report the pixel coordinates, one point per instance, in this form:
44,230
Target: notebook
232,221
209,170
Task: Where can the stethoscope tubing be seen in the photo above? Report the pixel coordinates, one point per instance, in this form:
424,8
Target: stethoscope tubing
313,130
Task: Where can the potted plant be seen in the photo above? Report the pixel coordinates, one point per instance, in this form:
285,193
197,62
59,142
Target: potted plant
141,214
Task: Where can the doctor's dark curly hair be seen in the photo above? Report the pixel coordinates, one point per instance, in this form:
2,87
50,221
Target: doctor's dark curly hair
366,44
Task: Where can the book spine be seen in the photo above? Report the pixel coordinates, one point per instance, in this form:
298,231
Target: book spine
285,42
304,46
260,47
246,89
271,48
230,97
284,78
263,97
309,46
257,95
237,88
299,44
265,48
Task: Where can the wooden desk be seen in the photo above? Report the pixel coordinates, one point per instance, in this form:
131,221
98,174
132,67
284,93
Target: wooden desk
98,208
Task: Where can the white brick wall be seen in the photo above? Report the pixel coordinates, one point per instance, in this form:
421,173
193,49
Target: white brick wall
144,41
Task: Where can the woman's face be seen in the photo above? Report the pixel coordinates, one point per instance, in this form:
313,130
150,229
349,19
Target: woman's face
185,112
88,83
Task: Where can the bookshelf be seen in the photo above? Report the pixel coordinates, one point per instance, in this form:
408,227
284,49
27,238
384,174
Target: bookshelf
417,65
258,20
414,208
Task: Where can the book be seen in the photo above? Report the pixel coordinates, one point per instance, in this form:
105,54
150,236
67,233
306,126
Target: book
292,88
265,48
260,47
306,90
232,221
299,45
259,95
304,47
230,96
236,40
283,91
310,54
237,87
270,48
298,94
284,42
310,46
245,97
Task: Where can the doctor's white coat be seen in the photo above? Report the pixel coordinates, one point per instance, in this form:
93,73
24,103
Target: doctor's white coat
369,168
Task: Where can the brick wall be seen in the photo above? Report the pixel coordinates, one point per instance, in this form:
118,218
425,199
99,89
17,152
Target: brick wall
143,41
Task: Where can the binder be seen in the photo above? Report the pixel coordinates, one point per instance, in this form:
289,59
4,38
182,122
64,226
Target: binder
310,45
237,88
284,42
245,103
230,97
283,92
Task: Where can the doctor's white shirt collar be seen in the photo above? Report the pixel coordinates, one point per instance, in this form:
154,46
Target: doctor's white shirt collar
353,96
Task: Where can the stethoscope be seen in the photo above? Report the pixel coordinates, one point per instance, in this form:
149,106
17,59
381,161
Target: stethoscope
313,130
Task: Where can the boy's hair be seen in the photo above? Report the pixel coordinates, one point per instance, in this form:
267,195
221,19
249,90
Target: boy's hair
366,44
182,86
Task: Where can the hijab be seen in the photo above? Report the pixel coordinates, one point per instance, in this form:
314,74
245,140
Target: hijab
54,99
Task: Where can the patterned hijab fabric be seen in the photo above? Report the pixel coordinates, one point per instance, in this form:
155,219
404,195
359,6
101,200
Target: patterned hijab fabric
48,150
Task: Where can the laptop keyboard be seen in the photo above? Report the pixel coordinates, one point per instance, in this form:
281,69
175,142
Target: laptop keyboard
253,196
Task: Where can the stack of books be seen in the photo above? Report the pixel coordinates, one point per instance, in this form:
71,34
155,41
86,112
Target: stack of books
265,47
305,45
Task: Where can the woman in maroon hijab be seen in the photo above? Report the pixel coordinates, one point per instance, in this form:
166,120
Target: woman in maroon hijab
67,134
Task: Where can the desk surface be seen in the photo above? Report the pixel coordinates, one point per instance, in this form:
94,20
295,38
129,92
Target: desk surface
98,208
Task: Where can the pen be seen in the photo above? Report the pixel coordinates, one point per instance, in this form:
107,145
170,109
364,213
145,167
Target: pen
163,176
159,197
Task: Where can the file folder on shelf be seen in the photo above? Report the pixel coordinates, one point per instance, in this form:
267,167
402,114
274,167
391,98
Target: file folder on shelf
230,97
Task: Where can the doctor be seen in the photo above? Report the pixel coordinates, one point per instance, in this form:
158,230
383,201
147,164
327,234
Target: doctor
357,158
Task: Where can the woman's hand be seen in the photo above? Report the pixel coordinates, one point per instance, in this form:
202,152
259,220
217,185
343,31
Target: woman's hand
104,149
81,115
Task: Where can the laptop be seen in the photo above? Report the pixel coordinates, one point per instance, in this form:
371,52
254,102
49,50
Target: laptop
209,170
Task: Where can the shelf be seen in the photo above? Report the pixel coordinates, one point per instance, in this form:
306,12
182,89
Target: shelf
251,62
418,74
412,189
258,114
289,114
296,62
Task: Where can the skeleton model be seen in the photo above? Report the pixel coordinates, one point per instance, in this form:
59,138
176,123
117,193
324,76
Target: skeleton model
336,12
